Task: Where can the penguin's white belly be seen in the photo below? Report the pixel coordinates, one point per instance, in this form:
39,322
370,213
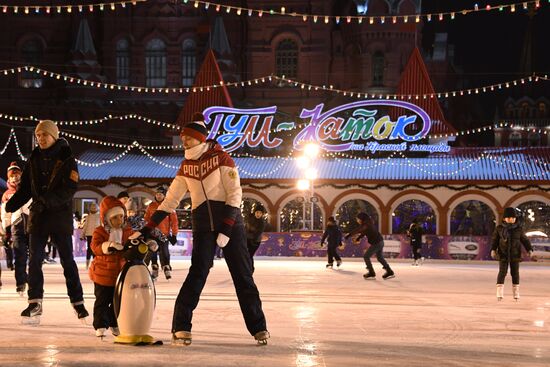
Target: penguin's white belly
137,302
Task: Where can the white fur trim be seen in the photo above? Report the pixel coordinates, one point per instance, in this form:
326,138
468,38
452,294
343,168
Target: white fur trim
114,211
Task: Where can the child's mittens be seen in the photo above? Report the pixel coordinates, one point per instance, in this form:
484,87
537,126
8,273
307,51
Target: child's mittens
109,246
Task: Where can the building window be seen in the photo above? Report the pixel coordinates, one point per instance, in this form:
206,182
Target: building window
515,139
286,58
533,139
123,62
348,211
472,218
31,53
188,62
542,109
155,63
525,110
536,221
296,216
378,69
408,210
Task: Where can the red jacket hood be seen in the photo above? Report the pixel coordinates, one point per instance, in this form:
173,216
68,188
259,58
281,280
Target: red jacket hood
108,203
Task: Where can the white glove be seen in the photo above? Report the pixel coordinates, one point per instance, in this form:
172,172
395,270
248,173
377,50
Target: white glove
116,246
105,247
153,245
134,235
222,240
493,254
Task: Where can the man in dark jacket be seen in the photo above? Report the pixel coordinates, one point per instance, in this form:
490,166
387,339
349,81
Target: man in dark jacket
415,234
50,178
508,238
255,226
334,236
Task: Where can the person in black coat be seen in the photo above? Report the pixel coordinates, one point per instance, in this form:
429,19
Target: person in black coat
255,226
50,178
334,237
506,243
415,234
366,228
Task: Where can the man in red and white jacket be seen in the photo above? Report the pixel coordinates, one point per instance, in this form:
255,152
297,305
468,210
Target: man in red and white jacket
210,176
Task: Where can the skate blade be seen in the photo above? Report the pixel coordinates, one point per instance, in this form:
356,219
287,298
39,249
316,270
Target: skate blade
32,321
390,277
180,342
262,342
84,320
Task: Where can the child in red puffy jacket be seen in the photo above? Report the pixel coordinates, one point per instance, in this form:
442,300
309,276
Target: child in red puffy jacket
108,262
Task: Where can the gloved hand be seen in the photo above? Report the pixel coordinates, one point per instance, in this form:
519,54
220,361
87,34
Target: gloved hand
222,240
109,246
173,239
38,205
494,255
153,245
8,233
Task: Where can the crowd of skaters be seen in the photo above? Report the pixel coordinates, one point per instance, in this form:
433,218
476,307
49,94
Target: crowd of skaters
37,210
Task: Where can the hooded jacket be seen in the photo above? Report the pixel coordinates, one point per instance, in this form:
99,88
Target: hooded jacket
507,241
215,188
105,268
50,178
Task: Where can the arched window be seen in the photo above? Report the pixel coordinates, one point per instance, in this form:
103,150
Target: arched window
296,216
31,53
536,217
533,139
378,69
542,109
345,216
123,62
525,110
510,111
515,139
408,210
286,58
155,63
472,218
188,62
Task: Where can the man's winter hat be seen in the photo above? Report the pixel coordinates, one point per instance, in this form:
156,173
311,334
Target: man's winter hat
161,190
13,168
363,216
49,127
509,213
123,194
109,207
259,208
196,128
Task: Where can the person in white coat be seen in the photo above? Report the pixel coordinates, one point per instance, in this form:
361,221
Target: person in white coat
91,222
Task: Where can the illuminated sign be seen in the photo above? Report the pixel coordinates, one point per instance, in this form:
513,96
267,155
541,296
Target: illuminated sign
233,127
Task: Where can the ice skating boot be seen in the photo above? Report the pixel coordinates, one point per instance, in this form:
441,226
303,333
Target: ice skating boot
167,271
100,333
21,289
388,275
338,263
500,292
31,315
371,275
415,263
515,289
155,272
328,266
115,331
261,337
81,312
421,260
182,338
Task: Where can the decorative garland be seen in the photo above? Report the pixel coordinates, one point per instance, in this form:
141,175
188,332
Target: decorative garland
68,9
403,187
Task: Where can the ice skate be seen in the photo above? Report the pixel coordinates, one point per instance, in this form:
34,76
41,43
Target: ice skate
388,275
338,263
115,331
182,338
369,276
81,312
167,271
21,289
100,333
31,315
155,272
515,289
328,266
421,261
261,337
415,263
500,292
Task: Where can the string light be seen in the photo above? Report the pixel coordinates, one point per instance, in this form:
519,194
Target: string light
404,18
68,8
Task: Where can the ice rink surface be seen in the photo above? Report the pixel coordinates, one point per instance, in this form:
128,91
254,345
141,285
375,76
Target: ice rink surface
439,314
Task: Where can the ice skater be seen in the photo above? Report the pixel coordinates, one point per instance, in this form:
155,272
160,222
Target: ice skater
506,243
50,178
333,235
415,234
15,232
107,240
91,222
366,228
255,226
210,176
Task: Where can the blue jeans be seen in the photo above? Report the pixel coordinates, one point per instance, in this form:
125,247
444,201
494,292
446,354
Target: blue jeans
378,250
70,271
20,246
240,267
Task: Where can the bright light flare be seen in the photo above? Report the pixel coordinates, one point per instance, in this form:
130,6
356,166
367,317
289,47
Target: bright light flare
303,185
